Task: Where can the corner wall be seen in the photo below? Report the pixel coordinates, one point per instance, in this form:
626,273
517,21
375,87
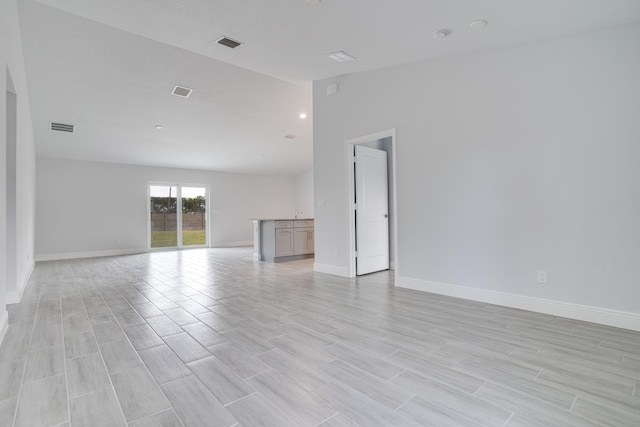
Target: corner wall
12,72
304,194
90,209
509,161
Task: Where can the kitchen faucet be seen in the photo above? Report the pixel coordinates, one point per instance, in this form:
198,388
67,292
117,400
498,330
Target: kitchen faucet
297,212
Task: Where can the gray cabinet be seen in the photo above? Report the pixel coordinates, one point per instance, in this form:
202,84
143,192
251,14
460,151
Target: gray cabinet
303,237
283,240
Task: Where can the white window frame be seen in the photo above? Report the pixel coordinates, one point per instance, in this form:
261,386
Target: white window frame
207,219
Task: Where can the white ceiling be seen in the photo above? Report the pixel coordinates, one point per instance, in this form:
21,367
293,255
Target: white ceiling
109,66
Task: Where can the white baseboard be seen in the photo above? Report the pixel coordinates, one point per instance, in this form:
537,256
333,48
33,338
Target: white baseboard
14,297
131,251
604,316
4,324
232,244
331,269
90,254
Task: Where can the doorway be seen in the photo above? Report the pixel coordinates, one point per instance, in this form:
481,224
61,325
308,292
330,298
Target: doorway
384,141
178,216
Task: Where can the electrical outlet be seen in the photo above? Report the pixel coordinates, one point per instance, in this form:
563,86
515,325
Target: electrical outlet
542,276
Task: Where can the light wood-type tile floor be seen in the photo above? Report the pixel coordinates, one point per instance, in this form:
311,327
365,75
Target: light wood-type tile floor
211,338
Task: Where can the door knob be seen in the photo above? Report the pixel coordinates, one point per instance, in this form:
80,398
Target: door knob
386,215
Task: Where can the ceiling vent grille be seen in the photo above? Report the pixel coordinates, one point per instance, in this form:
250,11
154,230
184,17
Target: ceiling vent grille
62,127
341,56
226,41
181,91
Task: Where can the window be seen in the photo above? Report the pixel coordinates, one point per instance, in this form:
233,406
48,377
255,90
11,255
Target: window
178,216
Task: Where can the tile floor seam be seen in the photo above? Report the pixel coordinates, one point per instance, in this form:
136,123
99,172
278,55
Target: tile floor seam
575,399
508,419
456,411
104,364
178,379
148,416
538,374
405,402
239,399
398,374
24,368
89,392
64,361
259,373
474,393
388,356
326,419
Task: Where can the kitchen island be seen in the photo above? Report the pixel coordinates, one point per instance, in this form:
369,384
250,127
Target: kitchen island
283,239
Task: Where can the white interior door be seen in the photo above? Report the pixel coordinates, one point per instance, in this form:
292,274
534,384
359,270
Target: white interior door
372,210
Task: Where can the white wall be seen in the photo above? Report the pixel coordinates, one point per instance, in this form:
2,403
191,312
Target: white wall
87,208
304,194
12,73
508,161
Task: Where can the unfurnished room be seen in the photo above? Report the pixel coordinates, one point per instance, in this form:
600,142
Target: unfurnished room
319,213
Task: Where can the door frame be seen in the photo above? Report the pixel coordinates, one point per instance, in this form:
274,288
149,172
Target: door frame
351,188
207,220
12,287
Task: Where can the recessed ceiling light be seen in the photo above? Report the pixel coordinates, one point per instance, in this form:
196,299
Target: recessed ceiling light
480,23
441,34
159,127
341,56
303,115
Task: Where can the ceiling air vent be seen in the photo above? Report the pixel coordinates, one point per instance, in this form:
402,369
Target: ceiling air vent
341,56
226,41
62,127
181,91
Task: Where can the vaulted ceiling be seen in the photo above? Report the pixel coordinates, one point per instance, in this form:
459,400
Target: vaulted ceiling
109,67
